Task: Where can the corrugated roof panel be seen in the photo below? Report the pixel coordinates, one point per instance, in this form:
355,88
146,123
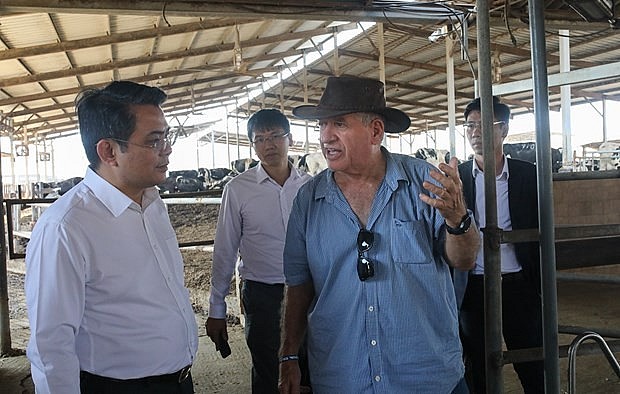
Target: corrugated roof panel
61,83
23,30
47,63
80,26
128,23
12,68
97,78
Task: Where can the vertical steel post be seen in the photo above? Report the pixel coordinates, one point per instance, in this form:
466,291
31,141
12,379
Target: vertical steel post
492,262
545,197
451,94
5,325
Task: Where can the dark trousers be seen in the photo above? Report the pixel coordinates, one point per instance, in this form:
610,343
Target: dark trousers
94,384
521,324
262,306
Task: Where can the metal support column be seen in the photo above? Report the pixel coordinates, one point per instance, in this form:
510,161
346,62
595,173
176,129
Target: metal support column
335,57
305,75
451,95
545,196
5,325
492,262
565,95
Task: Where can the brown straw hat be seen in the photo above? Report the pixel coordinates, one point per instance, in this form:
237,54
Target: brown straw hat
346,95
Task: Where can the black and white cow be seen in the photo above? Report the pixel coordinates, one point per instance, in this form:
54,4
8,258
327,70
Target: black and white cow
217,178
609,154
312,163
241,165
295,159
183,181
55,189
433,156
527,151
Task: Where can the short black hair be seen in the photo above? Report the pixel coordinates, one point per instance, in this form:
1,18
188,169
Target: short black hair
267,119
107,112
500,110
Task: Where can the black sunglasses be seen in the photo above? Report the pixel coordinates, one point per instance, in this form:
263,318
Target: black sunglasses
365,266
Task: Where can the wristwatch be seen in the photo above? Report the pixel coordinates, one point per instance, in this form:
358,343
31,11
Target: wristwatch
462,227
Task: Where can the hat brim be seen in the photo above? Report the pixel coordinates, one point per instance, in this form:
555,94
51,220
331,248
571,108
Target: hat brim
396,121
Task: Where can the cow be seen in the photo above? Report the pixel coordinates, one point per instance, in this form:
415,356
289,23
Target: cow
55,189
184,173
312,163
241,165
186,184
168,186
67,184
183,181
295,159
218,177
433,156
527,151
609,154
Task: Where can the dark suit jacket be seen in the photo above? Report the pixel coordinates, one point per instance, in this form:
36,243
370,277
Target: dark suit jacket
523,206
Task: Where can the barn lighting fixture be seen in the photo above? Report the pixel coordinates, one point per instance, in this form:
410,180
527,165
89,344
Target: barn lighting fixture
595,10
438,34
237,52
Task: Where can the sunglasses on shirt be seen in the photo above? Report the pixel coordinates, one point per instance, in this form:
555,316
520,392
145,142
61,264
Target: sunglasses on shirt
365,266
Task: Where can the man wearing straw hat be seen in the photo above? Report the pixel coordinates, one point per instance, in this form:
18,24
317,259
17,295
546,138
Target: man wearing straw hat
369,247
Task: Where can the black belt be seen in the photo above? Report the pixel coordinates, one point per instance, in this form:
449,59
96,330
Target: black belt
175,377
508,277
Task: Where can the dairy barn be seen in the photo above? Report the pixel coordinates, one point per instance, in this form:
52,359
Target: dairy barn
540,57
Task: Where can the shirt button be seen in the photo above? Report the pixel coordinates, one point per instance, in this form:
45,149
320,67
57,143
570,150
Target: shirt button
377,378
371,308
373,342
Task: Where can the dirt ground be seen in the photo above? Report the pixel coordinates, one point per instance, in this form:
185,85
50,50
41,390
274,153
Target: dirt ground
579,304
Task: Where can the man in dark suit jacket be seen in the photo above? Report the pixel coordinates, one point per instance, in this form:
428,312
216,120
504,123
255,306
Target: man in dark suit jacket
517,206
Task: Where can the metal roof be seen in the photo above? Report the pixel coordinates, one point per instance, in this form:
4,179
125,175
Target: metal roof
50,50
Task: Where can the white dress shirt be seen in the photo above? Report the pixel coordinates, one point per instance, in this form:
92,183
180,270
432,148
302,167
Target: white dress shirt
507,251
105,289
252,223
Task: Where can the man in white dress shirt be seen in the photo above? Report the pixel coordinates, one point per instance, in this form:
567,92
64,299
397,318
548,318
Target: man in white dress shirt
108,309
252,223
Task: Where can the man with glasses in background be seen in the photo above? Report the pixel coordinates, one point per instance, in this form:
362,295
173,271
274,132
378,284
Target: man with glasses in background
252,225
369,245
517,208
108,308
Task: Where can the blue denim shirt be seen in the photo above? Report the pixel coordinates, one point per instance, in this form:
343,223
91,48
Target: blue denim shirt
397,332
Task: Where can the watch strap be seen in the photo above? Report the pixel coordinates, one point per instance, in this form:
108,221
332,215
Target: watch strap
463,226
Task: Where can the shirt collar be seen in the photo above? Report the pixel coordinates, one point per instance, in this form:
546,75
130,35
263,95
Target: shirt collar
262,175
112,198
475,170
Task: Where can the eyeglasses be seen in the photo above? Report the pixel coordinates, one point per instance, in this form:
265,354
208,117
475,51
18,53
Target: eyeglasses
470,126
159,144
365,266
259,139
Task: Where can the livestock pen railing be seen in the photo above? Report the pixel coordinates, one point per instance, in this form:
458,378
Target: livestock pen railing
15,232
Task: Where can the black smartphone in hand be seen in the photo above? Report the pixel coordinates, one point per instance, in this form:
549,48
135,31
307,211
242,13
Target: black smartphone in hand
223,347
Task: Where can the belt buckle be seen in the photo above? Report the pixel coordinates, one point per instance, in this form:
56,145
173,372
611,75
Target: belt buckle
184,373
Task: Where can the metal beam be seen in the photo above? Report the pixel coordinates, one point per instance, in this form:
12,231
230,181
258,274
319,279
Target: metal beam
163,57
330,11
611,70
71,45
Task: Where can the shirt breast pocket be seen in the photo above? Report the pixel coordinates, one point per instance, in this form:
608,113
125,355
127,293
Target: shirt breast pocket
411,242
